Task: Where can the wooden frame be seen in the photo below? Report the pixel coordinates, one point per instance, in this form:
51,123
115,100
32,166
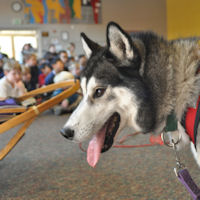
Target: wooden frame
28,115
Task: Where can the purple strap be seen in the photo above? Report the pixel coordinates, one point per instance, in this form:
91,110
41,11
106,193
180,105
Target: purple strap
187,181
8,102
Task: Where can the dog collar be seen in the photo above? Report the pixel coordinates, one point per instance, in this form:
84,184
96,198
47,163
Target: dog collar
190,122
171,124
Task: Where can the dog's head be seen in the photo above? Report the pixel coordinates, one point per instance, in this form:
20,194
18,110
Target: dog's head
114,93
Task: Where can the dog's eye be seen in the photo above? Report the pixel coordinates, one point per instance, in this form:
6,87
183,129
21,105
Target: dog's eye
99,92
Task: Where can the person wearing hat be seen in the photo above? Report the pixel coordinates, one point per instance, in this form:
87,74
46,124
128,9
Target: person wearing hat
58,75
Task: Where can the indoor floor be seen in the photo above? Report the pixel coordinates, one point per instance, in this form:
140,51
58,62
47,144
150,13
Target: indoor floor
45,166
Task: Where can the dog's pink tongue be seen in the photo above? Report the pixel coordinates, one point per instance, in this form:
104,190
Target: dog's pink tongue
94,148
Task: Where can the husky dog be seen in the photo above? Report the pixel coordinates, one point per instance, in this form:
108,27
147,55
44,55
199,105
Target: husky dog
134,81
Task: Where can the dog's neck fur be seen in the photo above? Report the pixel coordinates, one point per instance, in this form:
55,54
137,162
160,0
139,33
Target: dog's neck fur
175,85
186,64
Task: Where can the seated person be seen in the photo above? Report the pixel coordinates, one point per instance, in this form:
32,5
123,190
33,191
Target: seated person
11,84
1,65
82,62
69,104
61,76
45,69
26,78
71,50
51,54
75,69
31,63
64,57
57,66
58,74
11,87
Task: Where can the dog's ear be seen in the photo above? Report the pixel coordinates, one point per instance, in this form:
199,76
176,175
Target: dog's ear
119,42
88,45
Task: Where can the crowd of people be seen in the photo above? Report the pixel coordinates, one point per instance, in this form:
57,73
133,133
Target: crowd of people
18,77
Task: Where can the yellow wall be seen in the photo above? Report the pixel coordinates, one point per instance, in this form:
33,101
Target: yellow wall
183,18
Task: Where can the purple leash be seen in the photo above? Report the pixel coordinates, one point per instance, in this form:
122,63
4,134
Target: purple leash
185,178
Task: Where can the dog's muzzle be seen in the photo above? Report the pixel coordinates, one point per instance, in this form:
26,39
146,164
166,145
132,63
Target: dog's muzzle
67,133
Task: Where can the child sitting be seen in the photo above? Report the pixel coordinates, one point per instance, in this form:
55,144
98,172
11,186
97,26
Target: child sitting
31,63
69,104
57,75
57,66
26,78
11,84
45,69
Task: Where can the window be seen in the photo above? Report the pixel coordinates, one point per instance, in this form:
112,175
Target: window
6,45
12,42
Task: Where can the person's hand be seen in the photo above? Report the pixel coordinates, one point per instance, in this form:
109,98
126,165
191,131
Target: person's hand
65,103
20,86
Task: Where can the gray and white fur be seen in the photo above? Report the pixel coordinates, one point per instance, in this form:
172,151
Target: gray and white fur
143,78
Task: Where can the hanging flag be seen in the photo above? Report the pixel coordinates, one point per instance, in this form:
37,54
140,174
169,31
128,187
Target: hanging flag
77,9
67,16
95,6
71,2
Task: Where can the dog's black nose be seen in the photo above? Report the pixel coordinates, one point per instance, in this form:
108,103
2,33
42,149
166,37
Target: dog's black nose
67,132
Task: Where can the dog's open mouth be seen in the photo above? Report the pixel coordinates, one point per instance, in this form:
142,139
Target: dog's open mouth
103,140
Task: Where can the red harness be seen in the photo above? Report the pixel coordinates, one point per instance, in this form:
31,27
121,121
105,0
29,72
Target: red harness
192,119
